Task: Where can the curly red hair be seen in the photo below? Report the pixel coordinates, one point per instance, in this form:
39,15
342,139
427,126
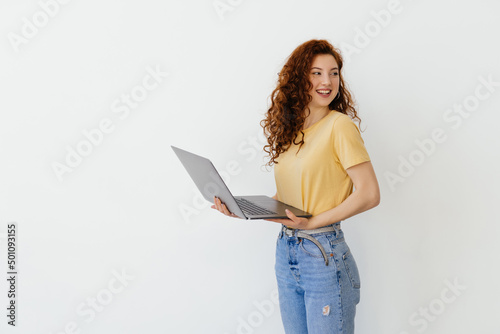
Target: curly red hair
290,99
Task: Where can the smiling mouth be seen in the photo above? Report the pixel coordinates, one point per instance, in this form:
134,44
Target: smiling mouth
324,92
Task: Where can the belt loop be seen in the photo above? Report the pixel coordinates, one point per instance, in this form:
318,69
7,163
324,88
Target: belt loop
336,226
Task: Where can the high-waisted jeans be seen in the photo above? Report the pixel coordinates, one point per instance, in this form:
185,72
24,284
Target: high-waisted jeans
316,298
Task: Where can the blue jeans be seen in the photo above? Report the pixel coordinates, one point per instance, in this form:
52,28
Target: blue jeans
316,298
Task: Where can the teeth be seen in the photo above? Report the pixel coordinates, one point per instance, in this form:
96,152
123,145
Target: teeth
324,91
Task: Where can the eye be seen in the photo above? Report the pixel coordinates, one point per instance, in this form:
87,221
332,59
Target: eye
316,73
334,74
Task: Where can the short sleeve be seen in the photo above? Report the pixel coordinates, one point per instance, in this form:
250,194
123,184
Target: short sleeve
348,145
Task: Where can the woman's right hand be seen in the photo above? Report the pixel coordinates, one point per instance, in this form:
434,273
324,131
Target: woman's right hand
218,205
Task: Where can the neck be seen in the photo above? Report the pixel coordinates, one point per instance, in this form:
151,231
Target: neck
315,115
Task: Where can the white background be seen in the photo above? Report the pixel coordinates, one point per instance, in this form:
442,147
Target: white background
129,206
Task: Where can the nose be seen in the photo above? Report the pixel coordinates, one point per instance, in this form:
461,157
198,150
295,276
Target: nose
325,79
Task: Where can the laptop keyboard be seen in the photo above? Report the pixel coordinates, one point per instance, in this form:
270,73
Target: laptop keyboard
250,208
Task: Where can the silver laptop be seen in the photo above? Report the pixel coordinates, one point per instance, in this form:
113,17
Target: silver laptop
210,184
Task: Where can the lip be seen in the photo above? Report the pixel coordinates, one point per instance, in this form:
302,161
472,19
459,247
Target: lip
324,95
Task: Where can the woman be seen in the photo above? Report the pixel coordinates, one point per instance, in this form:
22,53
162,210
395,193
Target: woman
318,156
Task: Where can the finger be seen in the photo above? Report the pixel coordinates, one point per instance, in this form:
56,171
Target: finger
291,216
219,205
226,211
223,208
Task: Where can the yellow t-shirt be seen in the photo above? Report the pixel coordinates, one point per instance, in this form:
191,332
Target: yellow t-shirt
315,179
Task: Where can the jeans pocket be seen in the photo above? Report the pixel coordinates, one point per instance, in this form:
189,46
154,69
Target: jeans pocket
351,269
311,249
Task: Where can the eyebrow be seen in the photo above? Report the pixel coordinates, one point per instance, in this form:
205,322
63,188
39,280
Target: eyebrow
319,68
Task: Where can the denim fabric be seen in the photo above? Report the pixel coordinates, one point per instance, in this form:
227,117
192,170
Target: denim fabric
315,298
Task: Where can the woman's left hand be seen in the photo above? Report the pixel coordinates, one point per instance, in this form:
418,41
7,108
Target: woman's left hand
293,221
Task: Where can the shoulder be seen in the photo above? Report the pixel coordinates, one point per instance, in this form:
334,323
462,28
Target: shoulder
343,123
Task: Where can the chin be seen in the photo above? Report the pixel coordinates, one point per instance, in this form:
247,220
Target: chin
324,105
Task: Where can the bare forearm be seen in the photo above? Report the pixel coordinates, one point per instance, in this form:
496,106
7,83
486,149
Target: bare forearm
357,202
